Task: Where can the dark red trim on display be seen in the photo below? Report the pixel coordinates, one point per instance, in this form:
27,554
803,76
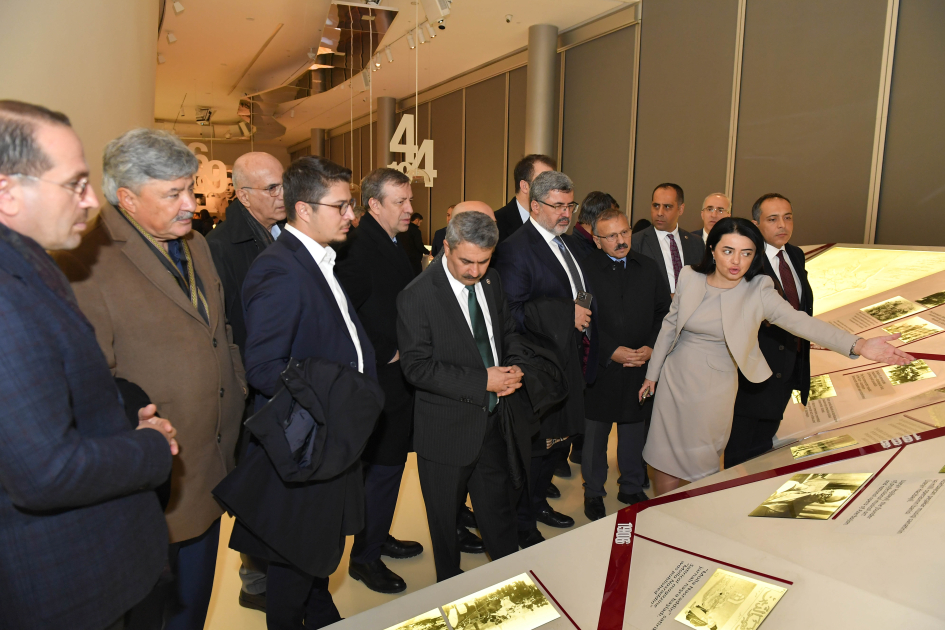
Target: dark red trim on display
716,560
558,604
866,485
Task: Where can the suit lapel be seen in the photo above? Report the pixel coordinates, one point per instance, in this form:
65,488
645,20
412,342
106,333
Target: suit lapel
690,300
141,256
304,258
386,247
497,331
451,306
547,258
651,248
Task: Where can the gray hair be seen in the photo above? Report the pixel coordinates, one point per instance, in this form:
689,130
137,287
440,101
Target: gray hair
142,155
372,186
472,227
19,151
548,181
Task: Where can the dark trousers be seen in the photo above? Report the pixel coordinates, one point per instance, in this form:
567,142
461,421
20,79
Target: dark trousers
381,487
542,470
193,563
750,438
444,489
630,441
294,598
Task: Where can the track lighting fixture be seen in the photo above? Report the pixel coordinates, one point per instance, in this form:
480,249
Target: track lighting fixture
390,57
430,33
410,41
420,36
171,38
178,8
161,58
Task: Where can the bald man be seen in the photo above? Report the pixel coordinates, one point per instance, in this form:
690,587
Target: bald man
716,207
452,211
253,222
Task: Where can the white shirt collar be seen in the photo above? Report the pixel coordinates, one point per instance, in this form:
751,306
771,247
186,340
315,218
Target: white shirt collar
705,235
545,234
662,235
522,212
319,253
772,252
457,286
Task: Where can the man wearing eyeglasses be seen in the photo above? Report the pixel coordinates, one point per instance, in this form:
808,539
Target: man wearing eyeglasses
253,222
373,269
632,301
716,207
296,307
146,282
546,288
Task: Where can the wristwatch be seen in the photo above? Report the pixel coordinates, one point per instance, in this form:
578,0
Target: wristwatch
852,348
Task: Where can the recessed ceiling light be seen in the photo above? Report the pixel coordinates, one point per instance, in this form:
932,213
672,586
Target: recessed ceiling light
171,38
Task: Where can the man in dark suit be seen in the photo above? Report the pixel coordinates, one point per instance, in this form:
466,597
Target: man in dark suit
671,247
759,407
546,286
581,240
373,270
412,242
453,327
295,307
515,213
82,536
436,246
253,222
632,301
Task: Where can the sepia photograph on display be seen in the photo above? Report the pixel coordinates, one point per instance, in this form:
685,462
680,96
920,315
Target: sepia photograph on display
811,496
931,301
912,329
730,601
891,309
432,620
821,387
822,446
515,604
916,371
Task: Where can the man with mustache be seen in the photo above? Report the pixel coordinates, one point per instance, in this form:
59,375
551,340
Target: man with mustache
147,283
632,301
546,287
453,329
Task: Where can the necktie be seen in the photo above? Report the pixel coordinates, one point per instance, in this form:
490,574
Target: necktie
572,266
674,254
176,253
787,282
481,335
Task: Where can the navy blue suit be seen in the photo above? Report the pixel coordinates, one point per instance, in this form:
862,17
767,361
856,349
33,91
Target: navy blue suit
82,538
290,311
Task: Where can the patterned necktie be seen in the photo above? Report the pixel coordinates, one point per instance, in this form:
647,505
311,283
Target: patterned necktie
787,282
481,335
572,266
176,252
674,254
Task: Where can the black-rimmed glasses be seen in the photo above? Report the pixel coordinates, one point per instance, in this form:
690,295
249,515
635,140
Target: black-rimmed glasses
274,190
610,238
78,187
341,208
570,207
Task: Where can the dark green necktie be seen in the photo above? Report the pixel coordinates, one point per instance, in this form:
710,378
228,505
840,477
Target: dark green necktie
481,334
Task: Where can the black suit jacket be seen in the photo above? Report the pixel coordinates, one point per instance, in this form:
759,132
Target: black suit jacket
234,246
439,357
646,243
790,368
508,219
580,242
373,270
411,242
437,245
632,303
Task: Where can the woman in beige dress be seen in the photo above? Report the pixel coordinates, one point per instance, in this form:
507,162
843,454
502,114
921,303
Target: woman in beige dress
710,332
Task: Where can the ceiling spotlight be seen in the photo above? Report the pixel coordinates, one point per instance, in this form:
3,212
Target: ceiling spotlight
178,8
390,57
377,61
440,25
410,41
292,113
161,58
171,38
430,32
420,36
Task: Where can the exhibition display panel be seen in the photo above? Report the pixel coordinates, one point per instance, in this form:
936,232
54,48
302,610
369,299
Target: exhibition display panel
838,527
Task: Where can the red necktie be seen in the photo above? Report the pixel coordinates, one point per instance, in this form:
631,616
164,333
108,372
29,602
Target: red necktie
674,254
787,282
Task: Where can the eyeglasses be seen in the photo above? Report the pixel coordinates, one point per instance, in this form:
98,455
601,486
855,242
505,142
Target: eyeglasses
78,187
274,190
610,238
712,210
342,208
559,207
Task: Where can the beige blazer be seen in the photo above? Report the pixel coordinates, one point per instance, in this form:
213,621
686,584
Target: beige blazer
152,335
744,308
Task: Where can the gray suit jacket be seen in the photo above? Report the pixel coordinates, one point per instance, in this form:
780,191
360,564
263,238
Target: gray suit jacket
646,243
744,307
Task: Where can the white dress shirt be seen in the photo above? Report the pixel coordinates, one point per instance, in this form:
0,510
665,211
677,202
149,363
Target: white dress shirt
275,230
705,236
663,239
772,254
522,212
462,296
550,239
325,259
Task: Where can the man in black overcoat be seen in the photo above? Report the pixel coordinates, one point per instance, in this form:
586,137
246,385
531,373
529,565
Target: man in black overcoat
412,242
632,301
759,407
515,213
373,270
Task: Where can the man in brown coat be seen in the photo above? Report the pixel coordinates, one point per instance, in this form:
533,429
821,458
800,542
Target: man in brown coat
148,285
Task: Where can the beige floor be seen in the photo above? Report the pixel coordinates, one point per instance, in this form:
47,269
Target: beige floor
410,523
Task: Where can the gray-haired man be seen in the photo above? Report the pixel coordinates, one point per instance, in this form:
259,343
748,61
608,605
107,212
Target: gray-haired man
148,285
459,379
